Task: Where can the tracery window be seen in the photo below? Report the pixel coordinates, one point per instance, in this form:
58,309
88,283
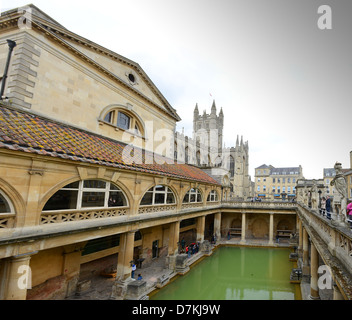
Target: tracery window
87,194
213,196
193,195
158,194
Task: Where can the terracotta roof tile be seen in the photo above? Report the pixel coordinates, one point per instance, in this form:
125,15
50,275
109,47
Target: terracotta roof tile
26,132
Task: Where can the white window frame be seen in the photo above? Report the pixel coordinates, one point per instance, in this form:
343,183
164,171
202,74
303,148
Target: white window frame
154,192
82,189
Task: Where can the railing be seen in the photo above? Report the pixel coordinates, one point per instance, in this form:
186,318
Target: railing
156,208
7,220
259,204
336,237
49,217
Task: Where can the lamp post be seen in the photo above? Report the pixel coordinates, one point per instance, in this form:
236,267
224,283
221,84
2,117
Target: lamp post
11,45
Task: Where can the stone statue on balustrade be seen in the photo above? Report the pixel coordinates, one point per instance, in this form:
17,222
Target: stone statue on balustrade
314,195
340,194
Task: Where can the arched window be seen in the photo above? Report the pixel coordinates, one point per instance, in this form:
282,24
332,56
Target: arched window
158,195
213,196
87,194
193,195
231,165
124,119
5,204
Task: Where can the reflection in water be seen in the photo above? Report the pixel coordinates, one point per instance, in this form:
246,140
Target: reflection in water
235,273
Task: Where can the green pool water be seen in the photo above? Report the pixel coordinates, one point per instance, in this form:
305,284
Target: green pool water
235,273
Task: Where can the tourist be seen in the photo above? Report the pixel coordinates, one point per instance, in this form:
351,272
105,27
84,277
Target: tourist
323,206
133,270
349,213
183,243
139,277
328,207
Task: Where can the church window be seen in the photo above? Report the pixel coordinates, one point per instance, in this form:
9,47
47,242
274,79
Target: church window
86,194
193,195
158,194
232,166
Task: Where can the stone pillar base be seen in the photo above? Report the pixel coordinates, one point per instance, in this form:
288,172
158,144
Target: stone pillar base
119,289
181,266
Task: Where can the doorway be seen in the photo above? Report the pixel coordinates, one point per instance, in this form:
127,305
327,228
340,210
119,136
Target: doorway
155,249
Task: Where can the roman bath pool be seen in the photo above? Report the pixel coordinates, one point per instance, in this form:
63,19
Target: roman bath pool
236,273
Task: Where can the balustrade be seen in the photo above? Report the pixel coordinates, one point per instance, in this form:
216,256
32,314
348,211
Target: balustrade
49,217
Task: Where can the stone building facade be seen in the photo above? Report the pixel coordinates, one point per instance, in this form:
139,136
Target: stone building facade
85,182
274,183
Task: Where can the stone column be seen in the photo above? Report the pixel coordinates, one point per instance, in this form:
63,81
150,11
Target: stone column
305,268
19,277
125,256
200,228
217,224
71,266
243,230
124,268
271,229
300,239
174,238
314,264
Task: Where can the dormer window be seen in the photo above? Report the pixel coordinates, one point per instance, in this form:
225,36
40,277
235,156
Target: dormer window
123,118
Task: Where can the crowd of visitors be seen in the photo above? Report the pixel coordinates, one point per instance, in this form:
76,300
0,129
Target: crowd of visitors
190,249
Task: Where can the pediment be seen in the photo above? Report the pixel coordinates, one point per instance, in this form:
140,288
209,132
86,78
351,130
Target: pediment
123,70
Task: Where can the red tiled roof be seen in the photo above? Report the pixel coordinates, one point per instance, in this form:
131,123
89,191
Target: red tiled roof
22,131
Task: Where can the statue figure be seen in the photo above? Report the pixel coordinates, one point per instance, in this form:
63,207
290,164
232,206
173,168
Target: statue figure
340,193
314,195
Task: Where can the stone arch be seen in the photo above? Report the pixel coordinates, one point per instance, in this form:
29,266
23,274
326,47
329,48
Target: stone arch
260,228
236,223
15,199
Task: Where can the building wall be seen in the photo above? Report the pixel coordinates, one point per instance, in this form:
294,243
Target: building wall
49,79
264,182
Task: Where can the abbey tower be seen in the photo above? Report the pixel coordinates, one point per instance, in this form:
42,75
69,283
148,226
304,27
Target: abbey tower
206,150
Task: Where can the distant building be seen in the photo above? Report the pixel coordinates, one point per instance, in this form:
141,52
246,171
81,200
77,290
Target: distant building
276,183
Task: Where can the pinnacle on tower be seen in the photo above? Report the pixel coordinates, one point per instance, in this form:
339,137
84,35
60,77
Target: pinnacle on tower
196,111
213,108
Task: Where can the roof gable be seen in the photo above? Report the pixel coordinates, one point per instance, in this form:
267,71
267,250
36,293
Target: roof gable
98,57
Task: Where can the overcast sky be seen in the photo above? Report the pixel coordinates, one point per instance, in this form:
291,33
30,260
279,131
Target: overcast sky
283,83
